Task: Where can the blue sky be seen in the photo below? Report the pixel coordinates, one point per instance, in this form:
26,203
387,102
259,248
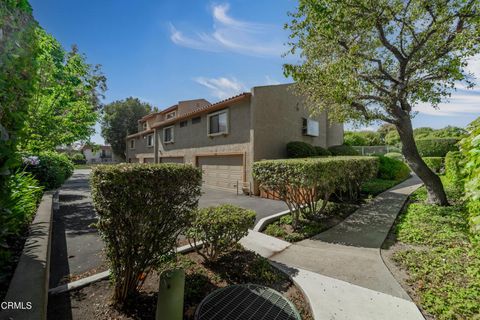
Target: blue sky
166,51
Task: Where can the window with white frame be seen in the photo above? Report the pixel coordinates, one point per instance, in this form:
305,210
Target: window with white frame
132,144
150,140
218,123
171,115
168,134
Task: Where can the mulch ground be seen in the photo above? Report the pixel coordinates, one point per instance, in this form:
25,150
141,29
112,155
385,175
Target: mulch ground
237,267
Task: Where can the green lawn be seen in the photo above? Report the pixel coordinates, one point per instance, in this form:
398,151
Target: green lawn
376,186
443,265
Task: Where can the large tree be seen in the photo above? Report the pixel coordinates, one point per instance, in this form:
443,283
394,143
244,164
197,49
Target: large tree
370,60
120,118
18,50
66,101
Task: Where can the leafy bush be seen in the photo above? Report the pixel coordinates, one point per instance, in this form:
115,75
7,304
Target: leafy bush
436,164
436,147
394,150
300,149
17,208
392,169
453,166
78,158
306,184
343,150
219,228
470,146
392,138
320,151
142,209
51,169
362,138
394,155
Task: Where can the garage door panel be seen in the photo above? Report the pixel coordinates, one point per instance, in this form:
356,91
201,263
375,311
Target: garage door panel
171,160
221,171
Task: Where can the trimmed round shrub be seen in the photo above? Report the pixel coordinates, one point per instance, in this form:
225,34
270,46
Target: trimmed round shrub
50,168
142,209
394,155
394,150
219,228
343,150
392,169
436,147
78,158
453,166
436,164
300,149
320,151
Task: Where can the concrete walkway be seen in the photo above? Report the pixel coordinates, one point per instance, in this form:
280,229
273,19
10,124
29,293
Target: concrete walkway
341,270
76,245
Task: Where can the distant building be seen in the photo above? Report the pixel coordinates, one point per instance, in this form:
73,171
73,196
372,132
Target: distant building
99,154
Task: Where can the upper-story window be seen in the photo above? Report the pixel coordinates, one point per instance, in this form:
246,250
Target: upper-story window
168,134
150,140
171,115
132,144
218,123
144,125
183,123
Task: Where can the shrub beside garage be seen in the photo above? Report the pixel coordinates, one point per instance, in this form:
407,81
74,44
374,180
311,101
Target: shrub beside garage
142,209
306,185
219,229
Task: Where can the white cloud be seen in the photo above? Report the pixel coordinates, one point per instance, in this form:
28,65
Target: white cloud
222,87
233,35
270,81
457,105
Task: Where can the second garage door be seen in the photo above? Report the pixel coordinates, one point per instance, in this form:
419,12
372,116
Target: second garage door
221,171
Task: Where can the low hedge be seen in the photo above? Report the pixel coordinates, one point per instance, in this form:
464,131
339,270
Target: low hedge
436,164
321,152
51,169
343,150
78,158
392,169
142,209
394,155
300,149
436,147
219,228
304,183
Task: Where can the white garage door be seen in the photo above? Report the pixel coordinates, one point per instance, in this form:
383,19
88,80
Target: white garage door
171,160
221,171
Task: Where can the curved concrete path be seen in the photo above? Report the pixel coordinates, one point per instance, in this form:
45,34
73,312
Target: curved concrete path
341,270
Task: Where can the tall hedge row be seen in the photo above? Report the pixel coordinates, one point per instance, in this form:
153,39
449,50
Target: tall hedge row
436,147
142,209
306,184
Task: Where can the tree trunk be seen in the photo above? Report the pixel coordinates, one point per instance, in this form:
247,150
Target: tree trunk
436,193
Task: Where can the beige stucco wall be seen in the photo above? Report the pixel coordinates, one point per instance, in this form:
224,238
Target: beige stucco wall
195,135
277,115
335,134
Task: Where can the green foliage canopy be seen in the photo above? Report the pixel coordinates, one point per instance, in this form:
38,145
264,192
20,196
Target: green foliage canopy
120,118
362,138
370,60
66,100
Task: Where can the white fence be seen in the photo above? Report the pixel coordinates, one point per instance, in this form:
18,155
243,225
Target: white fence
369,150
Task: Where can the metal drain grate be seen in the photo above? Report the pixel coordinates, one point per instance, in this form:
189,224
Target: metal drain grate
247,301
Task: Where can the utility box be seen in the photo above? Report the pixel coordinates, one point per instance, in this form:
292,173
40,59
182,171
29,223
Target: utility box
170,295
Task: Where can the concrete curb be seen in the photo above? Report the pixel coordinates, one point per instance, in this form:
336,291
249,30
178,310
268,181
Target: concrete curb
264,222
103,275
29,285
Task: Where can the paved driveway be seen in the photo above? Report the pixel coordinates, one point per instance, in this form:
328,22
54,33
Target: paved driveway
263,207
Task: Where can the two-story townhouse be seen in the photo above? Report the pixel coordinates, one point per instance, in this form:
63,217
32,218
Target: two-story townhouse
226,137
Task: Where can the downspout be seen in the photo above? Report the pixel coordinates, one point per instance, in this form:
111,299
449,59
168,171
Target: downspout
155,145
